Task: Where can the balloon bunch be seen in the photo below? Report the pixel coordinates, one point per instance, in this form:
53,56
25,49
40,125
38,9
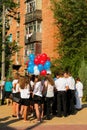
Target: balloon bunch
39,65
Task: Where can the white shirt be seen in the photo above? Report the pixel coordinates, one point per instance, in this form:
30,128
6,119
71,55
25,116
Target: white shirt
79,89
25,93
38,88
61,84
50,91
71,83
15,81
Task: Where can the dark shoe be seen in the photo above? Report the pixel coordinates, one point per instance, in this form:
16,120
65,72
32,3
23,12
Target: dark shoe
14,116
48,118
59,115
65,115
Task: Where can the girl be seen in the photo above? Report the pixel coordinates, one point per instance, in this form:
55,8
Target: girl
37,97
25,95
16,94
79,94
8,90
49,87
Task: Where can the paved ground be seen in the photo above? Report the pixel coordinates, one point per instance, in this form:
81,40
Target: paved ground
73,122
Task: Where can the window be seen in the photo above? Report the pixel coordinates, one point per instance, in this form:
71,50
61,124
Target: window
33,27
31,6
18,18
10,38
38,26
29,49
18,37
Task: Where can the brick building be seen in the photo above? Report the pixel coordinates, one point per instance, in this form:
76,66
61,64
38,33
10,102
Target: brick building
35,32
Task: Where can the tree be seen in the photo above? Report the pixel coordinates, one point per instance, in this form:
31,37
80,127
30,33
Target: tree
10,47
83,76
71,20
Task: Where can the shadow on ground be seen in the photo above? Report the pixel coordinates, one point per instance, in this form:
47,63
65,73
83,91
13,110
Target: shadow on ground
4,124
84,105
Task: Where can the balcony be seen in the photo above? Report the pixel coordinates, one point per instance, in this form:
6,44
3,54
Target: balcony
29,17
37,36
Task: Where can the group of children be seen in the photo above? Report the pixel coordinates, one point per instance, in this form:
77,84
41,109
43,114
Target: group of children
44,95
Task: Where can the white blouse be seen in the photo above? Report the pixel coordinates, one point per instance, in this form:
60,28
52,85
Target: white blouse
50,91
25,93
79,89
38,88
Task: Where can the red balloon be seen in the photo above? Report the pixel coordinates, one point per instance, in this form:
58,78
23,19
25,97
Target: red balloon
48,58
42,62
27,62
39,58
43,72
36,61
44,56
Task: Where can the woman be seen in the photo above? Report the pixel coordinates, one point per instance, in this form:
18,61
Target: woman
37,97
25,95
79,94
8,90
49,96
16,95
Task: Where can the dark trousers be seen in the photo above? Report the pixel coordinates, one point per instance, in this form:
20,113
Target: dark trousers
61,103
49,104
70,101
54,108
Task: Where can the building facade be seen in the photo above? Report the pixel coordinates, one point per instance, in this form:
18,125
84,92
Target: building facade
34,31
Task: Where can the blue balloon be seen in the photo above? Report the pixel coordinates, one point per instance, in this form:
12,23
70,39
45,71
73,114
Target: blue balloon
47,65
40,67
31,63
30,69
31,57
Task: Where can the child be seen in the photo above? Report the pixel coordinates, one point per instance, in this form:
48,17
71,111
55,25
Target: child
25,95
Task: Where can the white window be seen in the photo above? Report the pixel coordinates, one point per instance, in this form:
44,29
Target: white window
31,6
33,27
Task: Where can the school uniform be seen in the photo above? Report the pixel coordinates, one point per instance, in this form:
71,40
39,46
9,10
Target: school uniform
49,100
25,95
15,91
38,88
79,95
70,95
60,85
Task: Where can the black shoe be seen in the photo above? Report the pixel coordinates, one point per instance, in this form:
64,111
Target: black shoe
48,118
59,115
14,116
65,115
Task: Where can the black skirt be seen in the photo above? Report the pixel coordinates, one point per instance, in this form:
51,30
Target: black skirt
25,102
38,99
7,94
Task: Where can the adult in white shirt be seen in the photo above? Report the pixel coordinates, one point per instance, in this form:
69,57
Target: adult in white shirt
61,86
79,94
38,100
70,93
